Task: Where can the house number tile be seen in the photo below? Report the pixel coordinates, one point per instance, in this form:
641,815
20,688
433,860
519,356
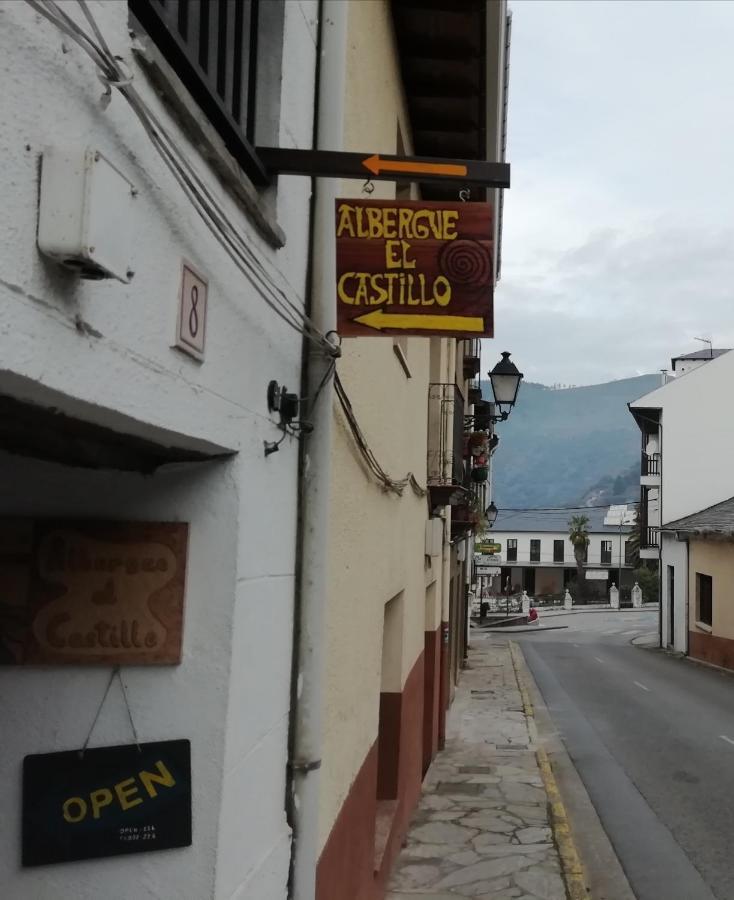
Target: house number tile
192,309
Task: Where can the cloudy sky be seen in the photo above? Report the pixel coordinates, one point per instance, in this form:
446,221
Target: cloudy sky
618,241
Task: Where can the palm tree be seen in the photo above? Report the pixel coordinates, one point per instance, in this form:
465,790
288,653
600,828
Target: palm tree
578,534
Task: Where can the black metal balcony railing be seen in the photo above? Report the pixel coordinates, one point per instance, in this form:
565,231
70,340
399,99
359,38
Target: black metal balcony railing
606,557
650,464
475,391
472,357
445,435
650,537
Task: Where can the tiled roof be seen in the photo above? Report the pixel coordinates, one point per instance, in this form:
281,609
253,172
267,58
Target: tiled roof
701,354
554,520
717,519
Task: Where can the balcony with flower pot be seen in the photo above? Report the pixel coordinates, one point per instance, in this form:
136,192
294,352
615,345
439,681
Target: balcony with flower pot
446,466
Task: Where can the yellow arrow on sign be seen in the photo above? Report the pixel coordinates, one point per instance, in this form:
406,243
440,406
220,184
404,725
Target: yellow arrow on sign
378,319
376,165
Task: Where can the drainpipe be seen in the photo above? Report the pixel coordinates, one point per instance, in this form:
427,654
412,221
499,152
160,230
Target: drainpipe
660,542
305,726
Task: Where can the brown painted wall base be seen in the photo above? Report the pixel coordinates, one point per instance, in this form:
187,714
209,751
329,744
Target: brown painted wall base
711,649
431,669
346,868
346,865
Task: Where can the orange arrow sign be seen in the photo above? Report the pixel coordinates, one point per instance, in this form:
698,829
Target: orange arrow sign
376,165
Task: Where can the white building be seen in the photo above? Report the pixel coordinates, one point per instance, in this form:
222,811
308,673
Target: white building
538,557
687,362
687,448
103,418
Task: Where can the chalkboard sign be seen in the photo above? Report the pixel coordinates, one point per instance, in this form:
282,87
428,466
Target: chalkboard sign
106,802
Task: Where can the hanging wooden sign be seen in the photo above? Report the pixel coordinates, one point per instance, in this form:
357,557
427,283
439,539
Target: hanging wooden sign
420,268
106,801
84,591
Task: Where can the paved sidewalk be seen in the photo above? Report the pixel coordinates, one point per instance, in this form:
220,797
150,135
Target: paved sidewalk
483,826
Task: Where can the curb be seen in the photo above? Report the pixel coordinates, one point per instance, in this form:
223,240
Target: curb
573,870
517,629
597,609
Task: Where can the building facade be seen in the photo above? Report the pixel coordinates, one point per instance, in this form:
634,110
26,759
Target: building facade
686,447
708,570
537,556
396,614
104,419
157,376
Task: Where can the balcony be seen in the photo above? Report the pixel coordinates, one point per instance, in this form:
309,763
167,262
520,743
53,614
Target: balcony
649,538
650,466
475,392
472,358
446,475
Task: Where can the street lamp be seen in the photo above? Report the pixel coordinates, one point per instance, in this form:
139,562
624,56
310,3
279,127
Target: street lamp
490,514
505,379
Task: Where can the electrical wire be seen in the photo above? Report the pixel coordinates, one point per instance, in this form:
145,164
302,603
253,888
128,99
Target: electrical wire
391,485
530,509
208,208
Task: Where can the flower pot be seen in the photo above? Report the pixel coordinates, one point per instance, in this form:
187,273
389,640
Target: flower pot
479,474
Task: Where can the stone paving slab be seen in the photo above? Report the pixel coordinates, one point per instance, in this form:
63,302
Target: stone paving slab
482,830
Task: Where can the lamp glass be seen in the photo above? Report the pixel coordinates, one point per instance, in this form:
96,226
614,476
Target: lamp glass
505,378
491,513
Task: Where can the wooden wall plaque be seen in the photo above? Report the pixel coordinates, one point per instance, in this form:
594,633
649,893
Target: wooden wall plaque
414,267
87,591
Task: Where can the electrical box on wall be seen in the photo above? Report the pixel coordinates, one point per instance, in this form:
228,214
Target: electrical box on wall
85,217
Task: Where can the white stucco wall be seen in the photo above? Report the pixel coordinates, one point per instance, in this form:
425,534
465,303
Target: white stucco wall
547,538
230,695
697,437
674,553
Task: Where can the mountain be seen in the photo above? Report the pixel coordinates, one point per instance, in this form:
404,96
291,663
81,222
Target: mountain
613,488
562,447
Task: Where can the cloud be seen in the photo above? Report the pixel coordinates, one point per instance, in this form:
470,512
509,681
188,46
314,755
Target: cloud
618,236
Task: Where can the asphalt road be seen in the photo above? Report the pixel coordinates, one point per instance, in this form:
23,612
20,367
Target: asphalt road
652,737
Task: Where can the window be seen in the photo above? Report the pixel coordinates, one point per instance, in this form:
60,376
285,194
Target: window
512,550
628,555
558,551
606,553
534,550
704,599
213,46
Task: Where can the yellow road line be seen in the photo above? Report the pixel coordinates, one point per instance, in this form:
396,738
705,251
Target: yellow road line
573,870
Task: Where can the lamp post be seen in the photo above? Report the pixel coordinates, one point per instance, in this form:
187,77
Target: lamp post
619,576
505,378
490,514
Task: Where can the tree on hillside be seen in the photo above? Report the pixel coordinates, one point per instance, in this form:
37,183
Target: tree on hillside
578,534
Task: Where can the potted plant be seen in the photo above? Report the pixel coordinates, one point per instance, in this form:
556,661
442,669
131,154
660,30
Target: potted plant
479,474
478,442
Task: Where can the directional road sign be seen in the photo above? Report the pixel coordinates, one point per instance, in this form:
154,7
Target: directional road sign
334,164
